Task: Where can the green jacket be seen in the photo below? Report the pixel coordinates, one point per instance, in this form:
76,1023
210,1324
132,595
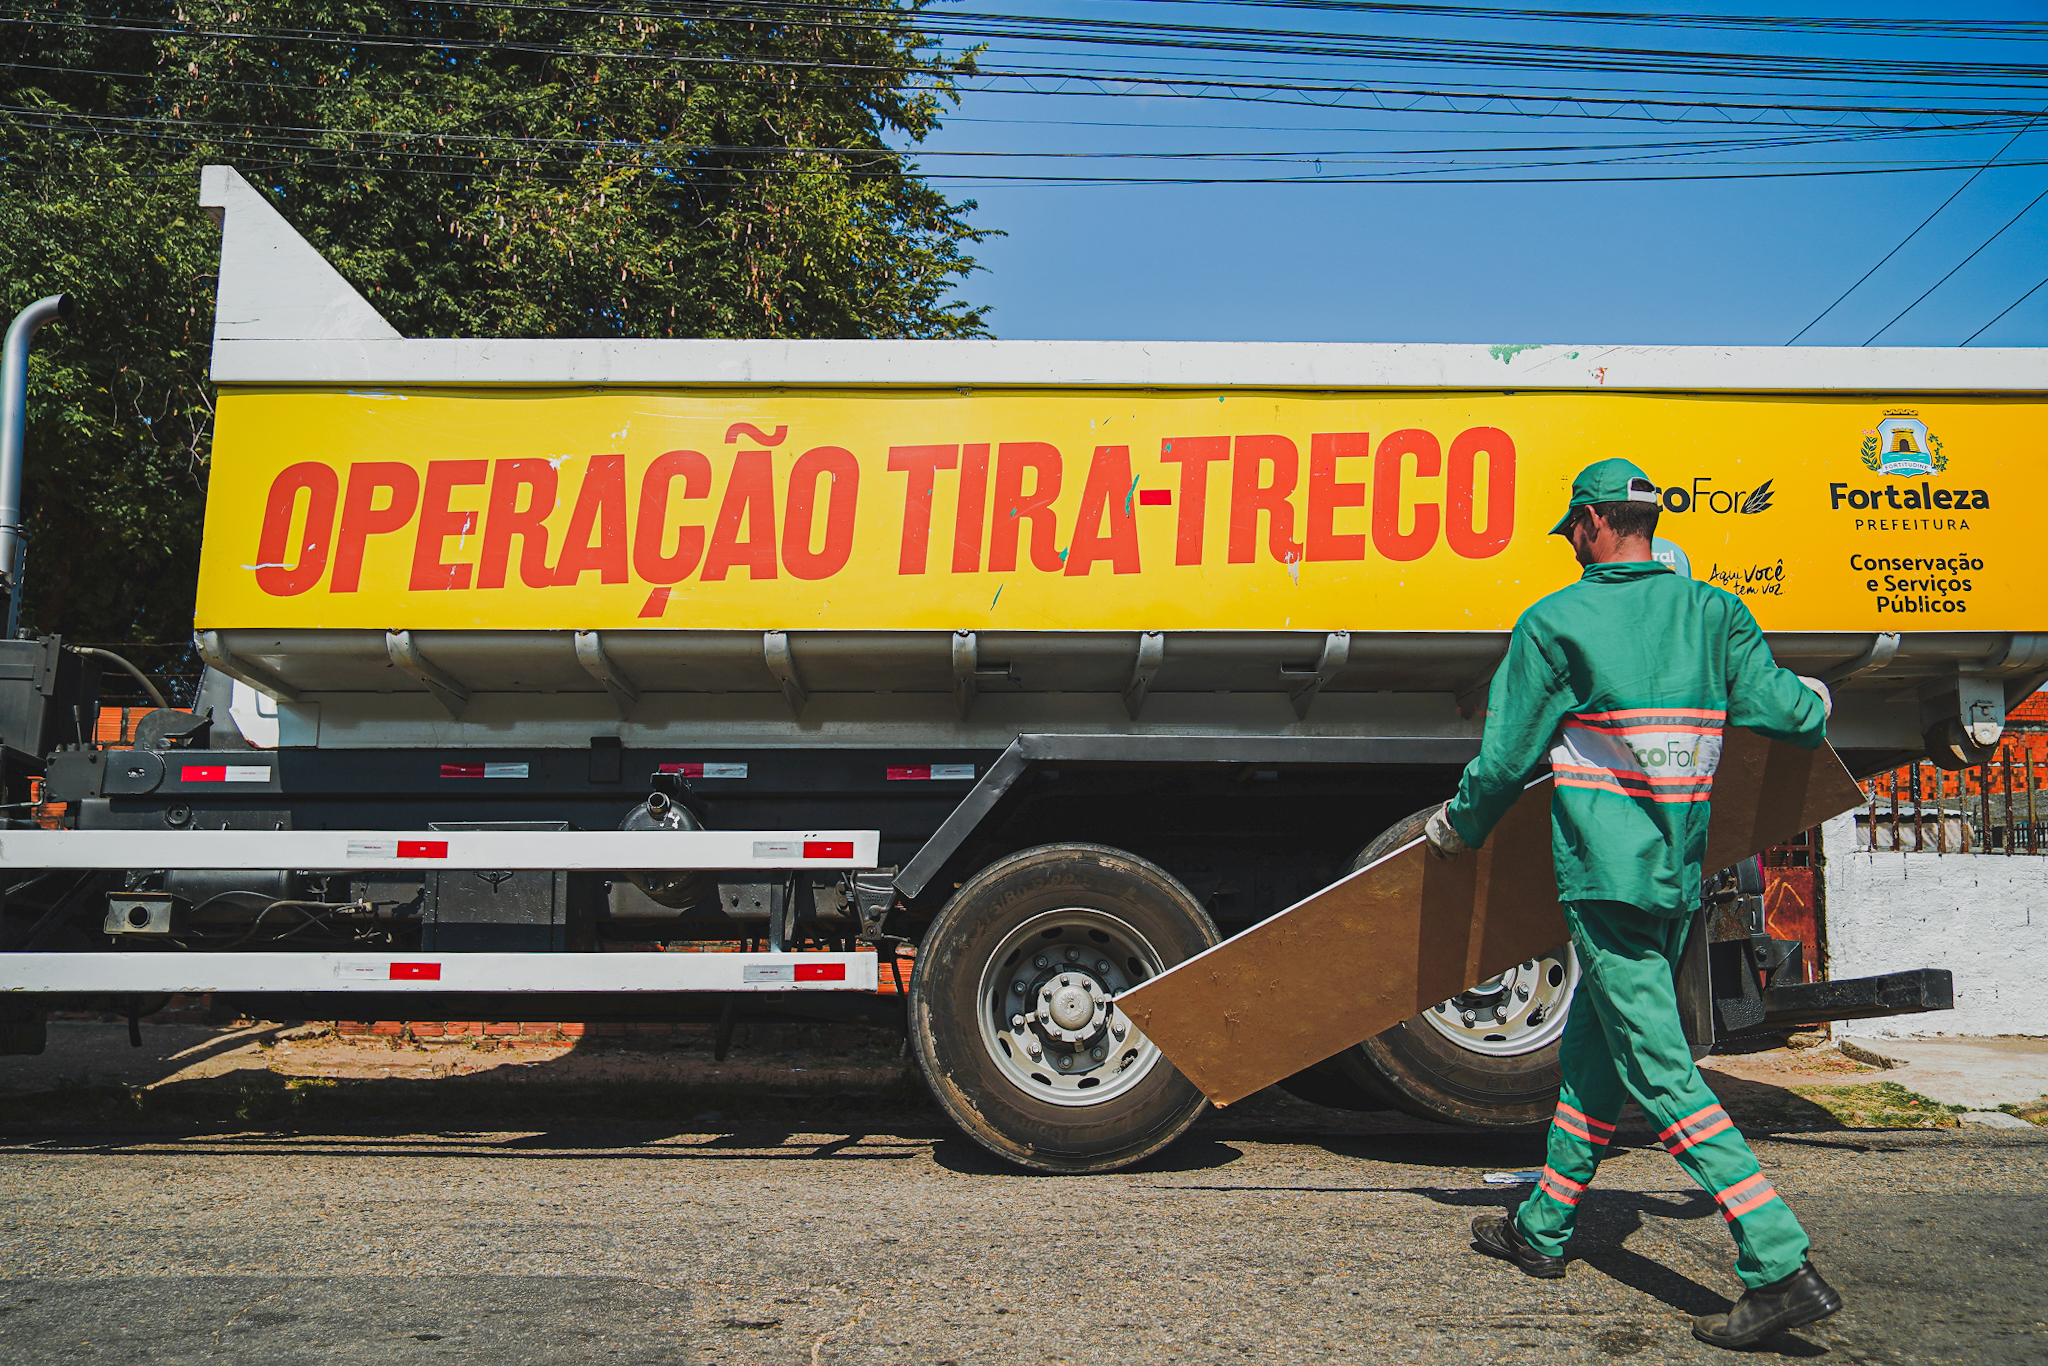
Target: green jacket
1623,682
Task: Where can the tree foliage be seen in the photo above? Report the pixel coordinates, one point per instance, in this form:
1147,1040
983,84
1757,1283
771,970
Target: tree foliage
492,169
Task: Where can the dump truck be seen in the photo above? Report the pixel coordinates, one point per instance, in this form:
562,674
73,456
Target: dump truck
1021,670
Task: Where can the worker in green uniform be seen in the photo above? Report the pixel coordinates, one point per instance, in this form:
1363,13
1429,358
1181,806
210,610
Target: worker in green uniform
1624,682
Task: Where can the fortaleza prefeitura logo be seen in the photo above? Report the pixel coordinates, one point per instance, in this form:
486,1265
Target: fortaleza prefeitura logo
1902,446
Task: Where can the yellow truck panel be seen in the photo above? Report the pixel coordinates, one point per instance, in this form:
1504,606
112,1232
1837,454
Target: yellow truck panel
521,509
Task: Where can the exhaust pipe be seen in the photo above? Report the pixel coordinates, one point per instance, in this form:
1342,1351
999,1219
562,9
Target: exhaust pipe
13,437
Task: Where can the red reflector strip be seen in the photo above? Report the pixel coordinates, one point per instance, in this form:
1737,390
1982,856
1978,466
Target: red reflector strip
415,972
828,848
462,770
1155,498
821,972
933,771
202,773
423,849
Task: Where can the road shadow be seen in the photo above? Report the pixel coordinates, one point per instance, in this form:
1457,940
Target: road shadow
1192,1153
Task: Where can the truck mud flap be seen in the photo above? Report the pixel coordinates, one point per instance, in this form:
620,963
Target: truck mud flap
1858,998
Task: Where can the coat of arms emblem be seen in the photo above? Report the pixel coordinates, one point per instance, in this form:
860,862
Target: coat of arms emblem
1903,445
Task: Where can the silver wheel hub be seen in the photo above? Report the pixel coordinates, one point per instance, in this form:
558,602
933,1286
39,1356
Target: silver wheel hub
1048,1006
1074,1008
1518,1012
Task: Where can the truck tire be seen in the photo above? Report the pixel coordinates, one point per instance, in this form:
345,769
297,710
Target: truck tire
1453,1063
1340,1083
1012,1016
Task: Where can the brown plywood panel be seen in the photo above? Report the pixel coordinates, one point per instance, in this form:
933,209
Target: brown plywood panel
1765,792
1392,940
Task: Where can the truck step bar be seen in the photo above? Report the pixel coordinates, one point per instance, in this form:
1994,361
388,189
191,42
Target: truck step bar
506,850
150,974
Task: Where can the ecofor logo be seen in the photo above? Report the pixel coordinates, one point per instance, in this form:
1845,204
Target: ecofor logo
1679,498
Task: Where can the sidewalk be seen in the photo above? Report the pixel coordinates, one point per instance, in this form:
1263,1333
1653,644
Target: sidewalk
1979,1073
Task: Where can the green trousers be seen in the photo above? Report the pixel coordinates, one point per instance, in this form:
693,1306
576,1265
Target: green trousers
1624,1041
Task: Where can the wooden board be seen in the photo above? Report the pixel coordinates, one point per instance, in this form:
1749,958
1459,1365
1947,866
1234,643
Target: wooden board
1393,939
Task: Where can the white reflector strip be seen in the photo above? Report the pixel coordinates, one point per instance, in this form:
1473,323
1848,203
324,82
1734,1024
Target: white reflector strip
513,850
158,972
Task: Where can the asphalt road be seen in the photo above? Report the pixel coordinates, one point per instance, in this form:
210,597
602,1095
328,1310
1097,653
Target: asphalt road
1259,1238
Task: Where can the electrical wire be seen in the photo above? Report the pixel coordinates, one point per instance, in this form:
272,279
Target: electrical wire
1958,266
1144,41
1469,52
1918,28
440,137
1915,233
2003,311
313,156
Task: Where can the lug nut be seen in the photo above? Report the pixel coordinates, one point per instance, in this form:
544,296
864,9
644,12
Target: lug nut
1500,1013
1470,1019
1041,961
1102,965
1522,993
1018,986
1073,955
1033,1047
1066,1061
1117,1031
1016,1022
1098,1053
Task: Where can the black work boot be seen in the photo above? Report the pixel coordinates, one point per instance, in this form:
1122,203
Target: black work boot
1801,1298
1497,1236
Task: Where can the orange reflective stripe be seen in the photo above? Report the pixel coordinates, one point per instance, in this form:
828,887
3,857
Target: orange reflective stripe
1582,1126
1606,782
1562,1189
1744,1196
1680,1124
1696,1128
1679,1145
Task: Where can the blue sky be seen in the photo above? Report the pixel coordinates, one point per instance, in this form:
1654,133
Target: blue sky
1719,261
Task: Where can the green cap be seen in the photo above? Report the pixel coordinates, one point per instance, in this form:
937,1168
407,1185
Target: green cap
1608,481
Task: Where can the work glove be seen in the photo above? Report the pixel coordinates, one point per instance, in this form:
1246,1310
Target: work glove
1443,837
1827,699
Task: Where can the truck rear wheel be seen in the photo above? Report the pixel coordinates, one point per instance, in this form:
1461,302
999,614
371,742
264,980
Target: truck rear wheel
1486,1057
1012,1007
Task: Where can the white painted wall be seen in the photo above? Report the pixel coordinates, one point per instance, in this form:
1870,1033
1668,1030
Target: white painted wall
1984,917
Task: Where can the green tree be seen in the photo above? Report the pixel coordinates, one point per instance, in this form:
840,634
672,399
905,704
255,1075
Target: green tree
491,169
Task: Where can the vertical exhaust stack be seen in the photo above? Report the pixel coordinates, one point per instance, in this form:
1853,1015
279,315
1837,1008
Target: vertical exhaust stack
13,439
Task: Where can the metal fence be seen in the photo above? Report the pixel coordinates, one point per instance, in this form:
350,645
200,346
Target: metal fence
1994,808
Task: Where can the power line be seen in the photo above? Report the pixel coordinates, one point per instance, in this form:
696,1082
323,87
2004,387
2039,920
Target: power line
2019,29
2003,311
1911,235
440,136
1468,52
1958,266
